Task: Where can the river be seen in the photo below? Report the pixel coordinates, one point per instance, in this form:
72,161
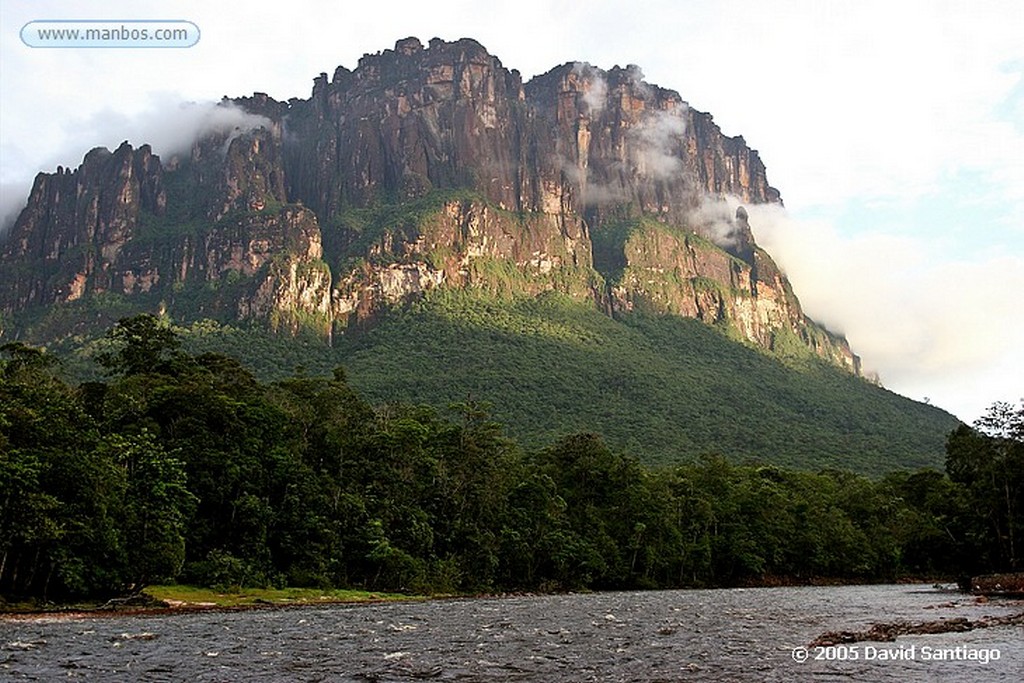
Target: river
689,635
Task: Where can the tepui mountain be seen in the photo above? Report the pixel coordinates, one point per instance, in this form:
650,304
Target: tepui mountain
584,181
426,169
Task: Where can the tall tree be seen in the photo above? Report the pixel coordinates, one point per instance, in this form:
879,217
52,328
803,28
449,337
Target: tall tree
988,460
141,344
154,509
57,493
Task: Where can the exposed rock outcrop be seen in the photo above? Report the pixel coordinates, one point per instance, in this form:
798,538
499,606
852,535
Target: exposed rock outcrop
424,167
889,632
68,238
1009,584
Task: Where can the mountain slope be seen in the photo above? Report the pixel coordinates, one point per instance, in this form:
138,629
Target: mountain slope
423,168
559,247
664,387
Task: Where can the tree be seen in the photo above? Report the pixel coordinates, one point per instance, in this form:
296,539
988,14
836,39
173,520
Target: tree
142,344
155,508
988,460
1003,421
56,491
930,524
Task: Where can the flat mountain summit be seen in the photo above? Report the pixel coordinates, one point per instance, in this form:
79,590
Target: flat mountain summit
428,178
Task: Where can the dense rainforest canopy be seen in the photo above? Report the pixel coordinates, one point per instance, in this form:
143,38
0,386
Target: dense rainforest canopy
664,388
183,467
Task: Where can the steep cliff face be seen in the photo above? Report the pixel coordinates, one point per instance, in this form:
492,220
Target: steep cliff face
410,120
460,242
669,271
215,240
620,141
68,238
424,167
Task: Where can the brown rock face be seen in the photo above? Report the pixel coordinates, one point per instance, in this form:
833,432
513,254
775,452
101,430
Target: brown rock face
106,228
76,223
576,140
470,243
425,167
407,121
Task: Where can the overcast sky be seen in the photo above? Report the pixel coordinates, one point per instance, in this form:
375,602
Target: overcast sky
893,129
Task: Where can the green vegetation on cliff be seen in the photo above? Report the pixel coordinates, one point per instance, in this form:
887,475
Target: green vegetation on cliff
354,230
667,388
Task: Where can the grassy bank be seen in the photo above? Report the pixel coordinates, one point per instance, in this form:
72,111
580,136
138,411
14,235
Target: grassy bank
178,597
193,596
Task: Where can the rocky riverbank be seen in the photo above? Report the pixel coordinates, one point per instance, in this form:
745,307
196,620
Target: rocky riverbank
1009,585
888,632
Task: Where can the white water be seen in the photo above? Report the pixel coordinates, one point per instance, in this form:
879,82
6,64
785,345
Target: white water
696,635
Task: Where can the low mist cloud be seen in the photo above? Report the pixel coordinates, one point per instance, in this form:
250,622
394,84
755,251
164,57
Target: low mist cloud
658,140
655,141
595,96
715,218
168,125
592,192
12,201
640,86
600,194
924,320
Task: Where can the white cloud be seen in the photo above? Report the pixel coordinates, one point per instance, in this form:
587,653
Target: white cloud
715,218
875,102
870,98
929,322
595,94
168,125
658,139
12,201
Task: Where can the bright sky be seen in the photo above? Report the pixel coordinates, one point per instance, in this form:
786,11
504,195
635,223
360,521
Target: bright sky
894,130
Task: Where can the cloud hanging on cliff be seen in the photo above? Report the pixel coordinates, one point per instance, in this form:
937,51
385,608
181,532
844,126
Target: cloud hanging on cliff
640,86
12,201
658,140
715,218
168,125
655,143
595,95
602,194
929,322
